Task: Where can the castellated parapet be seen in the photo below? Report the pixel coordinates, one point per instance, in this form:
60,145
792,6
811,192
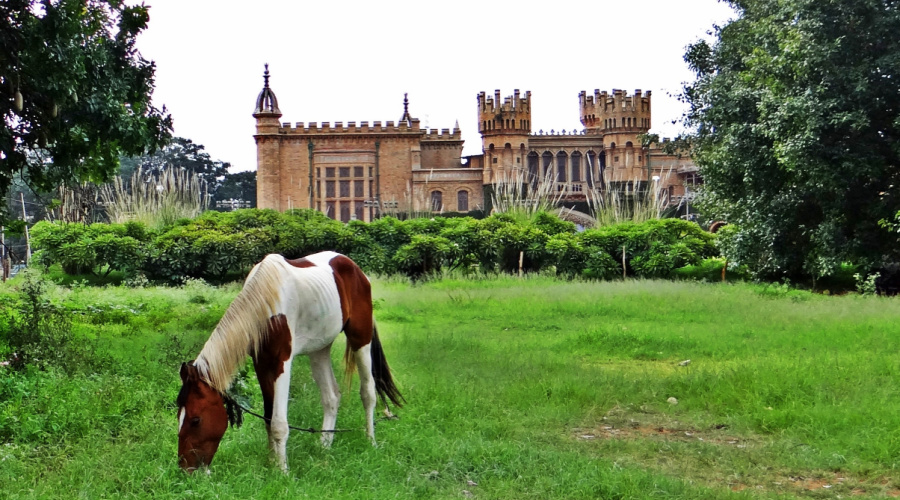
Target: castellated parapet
602,113
375,127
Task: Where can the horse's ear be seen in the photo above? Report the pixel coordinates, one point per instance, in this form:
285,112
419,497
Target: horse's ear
185,372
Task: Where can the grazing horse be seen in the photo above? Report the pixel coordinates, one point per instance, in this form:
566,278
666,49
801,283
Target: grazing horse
286,308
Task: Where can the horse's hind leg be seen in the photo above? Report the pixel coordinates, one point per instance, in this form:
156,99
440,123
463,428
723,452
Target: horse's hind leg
363,357
323,374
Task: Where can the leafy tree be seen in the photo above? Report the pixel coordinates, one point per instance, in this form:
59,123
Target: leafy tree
238,186
179,153
795,115
74,91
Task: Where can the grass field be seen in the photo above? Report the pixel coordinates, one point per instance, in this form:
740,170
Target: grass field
529,388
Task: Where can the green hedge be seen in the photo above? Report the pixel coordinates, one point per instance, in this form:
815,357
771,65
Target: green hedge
219,244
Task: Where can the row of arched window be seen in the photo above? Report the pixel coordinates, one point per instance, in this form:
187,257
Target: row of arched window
568,168
462,201
626,122
496,124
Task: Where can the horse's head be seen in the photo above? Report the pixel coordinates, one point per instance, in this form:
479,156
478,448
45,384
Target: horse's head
202,420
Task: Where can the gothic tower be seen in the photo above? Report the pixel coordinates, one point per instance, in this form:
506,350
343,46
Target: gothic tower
504,129
268,182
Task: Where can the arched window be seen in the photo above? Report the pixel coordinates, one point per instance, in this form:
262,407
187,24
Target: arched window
548,159
533,172
462,201
437,202
576,166
561,158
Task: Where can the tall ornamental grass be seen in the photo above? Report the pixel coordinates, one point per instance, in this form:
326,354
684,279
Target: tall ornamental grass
156,200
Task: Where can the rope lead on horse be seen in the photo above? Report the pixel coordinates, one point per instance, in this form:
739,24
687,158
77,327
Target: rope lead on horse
236,418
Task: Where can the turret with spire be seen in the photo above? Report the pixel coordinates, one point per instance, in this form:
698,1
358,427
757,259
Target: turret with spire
268,148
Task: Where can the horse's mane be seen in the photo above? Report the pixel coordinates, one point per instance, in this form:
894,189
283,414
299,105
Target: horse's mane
243,327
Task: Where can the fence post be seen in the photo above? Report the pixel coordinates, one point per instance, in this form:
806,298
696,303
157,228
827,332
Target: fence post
27,236
3,267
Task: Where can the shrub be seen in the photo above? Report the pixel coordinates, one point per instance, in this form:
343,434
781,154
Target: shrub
425,255
567,252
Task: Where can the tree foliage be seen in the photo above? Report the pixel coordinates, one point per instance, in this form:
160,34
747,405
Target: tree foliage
74,90
796,117
238,186
180,153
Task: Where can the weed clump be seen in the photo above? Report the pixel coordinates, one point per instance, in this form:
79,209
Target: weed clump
34,331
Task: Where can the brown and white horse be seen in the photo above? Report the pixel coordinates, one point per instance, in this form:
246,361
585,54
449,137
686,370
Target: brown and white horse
286,308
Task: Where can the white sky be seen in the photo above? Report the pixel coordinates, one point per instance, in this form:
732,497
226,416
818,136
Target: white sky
352,60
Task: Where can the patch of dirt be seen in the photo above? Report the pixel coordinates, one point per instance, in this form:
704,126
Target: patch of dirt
623,425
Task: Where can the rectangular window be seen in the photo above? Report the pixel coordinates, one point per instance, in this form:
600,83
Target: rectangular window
329,209
358,189
371,171
329,189
345,171
371,189
345,189
360,211
357,171
329,171
345,212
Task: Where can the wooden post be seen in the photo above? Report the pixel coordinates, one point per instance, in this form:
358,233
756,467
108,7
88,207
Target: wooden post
724,267
623,262
27,236
521,258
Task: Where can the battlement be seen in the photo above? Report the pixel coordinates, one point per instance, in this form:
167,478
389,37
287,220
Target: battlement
353,127
603,113
511,115
444,134
618,99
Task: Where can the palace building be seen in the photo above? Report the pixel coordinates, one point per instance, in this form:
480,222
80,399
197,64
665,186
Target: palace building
359,170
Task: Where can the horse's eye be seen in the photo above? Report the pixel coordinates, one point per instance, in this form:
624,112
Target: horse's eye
195,421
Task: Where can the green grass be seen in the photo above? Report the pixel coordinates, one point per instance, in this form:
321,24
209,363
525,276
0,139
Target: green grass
531,388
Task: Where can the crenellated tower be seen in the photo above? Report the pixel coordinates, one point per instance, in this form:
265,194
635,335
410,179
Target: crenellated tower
504,128
619,119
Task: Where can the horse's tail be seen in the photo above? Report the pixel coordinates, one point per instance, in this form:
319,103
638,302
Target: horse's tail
381,372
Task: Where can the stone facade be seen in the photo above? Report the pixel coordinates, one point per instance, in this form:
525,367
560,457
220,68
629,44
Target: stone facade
360,170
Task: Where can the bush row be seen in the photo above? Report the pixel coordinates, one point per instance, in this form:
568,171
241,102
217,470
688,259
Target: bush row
217,244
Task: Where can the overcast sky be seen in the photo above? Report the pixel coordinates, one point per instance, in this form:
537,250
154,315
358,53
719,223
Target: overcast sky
353,60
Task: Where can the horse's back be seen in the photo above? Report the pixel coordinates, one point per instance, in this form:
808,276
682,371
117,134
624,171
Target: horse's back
324,292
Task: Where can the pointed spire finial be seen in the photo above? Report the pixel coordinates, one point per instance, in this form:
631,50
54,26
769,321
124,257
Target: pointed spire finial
266,76
406,117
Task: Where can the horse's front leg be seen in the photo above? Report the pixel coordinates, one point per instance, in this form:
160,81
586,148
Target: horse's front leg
278,425
323,374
